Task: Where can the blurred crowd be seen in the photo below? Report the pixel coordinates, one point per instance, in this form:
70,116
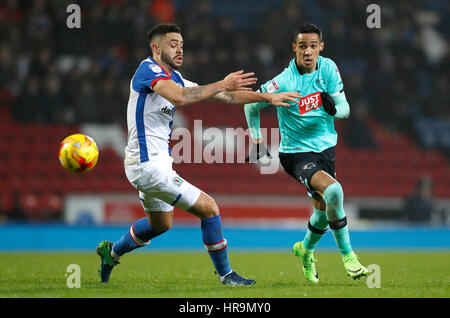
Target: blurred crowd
395,74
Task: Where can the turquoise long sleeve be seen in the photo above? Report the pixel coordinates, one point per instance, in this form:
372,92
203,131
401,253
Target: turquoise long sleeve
253,120
342,106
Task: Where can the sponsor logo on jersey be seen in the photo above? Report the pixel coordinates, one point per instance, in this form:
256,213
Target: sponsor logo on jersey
310,102
168,111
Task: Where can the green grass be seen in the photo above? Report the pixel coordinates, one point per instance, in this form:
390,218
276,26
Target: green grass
190,275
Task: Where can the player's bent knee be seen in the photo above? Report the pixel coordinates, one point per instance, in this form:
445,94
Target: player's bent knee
334,194
211,209
205,207
214,209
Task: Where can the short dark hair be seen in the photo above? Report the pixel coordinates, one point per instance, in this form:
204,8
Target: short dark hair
307,28
162,29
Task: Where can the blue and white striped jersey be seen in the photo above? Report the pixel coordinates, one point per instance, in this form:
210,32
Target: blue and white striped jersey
149,116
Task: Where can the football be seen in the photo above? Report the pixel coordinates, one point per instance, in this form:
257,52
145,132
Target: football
78,153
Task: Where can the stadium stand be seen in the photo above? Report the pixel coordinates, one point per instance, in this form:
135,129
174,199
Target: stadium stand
31,175
52,80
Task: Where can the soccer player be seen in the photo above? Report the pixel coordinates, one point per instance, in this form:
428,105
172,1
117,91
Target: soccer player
156,89
307,143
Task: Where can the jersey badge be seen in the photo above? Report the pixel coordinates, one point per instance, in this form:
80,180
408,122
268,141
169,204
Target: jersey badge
273,86
177,180
155,68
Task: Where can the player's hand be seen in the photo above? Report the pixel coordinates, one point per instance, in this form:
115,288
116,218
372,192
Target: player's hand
239,81
281,99
328,104
257,152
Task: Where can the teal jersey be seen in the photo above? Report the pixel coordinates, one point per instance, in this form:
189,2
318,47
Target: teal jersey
306,127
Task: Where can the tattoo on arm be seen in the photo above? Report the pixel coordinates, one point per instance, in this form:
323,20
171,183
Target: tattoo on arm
190,93
225,97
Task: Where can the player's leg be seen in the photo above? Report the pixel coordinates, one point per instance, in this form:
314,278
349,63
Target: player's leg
300,166
317,227
158,220
317,224
207,210
142,231
176,191
333,196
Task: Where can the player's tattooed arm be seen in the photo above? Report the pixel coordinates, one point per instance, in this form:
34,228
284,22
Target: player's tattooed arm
180,96
224,97
245,97
191,93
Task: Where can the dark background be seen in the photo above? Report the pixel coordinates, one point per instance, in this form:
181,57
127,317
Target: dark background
54,79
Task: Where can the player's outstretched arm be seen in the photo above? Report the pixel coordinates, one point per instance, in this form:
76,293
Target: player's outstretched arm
181,96
245,97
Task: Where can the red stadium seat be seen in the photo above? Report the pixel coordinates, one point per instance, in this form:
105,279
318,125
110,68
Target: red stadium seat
32,171
7,202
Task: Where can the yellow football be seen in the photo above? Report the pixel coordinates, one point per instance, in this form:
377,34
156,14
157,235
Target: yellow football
78,153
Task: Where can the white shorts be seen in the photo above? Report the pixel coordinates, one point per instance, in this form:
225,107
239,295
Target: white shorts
160,187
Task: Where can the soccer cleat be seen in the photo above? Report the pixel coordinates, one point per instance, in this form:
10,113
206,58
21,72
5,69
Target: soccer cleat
353,267
309,266
107,261
235,279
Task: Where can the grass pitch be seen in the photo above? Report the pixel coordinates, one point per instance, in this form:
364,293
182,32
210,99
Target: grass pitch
190,275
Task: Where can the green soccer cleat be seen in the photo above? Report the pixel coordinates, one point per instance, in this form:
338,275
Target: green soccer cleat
107,261
309,266
353,267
